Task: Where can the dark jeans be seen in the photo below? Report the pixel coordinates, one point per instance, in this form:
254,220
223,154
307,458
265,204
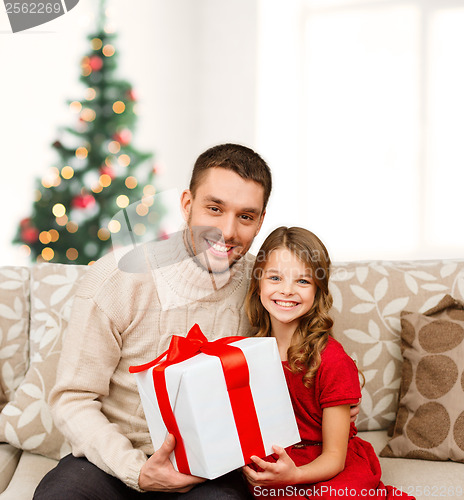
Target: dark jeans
77,479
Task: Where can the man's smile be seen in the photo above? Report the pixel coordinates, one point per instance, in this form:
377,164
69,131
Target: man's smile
219,249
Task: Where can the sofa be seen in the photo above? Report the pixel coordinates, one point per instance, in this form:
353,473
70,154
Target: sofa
369,303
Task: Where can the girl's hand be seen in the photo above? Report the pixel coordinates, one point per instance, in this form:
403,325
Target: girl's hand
284,471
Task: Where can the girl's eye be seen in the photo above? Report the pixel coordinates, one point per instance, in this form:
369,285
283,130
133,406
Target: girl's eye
274,278
304,282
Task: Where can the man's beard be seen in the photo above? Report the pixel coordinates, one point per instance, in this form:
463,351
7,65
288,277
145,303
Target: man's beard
196,242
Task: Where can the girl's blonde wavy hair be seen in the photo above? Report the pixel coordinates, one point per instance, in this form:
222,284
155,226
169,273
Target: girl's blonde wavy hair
315,327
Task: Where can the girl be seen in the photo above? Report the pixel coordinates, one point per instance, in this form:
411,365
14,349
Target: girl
289,299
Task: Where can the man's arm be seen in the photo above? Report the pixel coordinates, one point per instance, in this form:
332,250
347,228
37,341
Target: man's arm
354,411
91,354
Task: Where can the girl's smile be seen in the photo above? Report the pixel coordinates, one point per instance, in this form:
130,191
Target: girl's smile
286,305
287,289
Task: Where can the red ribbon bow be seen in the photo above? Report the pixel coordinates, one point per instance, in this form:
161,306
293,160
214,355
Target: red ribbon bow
237,378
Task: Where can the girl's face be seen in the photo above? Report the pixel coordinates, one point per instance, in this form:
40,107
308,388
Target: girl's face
287,289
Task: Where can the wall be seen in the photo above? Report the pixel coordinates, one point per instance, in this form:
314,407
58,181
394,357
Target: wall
192,65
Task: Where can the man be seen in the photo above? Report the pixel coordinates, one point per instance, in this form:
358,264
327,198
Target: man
122,318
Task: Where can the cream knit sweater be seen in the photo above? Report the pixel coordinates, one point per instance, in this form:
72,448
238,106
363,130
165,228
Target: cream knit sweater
121,319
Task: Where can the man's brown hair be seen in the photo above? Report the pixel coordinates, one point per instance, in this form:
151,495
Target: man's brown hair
237,158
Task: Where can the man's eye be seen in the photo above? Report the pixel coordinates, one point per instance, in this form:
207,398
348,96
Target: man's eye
214,209
246,217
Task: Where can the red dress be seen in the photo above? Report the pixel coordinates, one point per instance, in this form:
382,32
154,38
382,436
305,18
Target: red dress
336,383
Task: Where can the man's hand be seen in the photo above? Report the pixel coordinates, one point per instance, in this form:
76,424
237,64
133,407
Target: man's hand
158,474
354,411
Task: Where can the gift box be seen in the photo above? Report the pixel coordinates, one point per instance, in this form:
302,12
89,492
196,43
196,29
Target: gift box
223,401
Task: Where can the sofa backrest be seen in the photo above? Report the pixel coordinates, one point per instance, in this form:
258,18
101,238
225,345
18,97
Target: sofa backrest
14,328
35,305
368,299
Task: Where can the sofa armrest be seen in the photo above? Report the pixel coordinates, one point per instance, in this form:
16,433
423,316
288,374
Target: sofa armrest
9,458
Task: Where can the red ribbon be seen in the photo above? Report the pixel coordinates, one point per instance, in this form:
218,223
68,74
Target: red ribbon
237,378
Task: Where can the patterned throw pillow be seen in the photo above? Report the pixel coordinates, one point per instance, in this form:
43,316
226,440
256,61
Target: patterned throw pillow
26,421
14,329
430,420
368,299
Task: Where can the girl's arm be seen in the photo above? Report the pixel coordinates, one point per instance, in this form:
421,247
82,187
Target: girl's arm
335,433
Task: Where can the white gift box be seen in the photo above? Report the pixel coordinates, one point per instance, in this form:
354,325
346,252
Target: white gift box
202,409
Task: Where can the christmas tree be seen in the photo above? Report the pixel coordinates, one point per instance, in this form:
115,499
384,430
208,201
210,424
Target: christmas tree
99,171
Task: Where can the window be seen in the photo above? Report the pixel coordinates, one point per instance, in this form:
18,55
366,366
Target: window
361,117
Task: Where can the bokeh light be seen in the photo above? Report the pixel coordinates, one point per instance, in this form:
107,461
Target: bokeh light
88,115
131,182
81,153
148,200
105,180
90,94
114,147
124,160
45,237
103,234
96,44
72,253
108,50
114,226
119,107
140,229
141,209
25,250
67,172
149,190
48,253
62,221
54,235
122,201
72,227
75,107
58,210
51,178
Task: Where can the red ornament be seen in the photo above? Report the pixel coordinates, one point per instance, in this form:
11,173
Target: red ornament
83,201
25,222
157,168
131,95
123,137
29,234
108,171
96,63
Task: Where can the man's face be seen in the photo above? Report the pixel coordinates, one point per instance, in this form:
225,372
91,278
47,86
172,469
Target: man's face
224,217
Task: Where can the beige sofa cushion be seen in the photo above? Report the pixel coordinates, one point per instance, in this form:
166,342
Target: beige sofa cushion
9,458
26,421
368,299
14,329
28,474
420,478
430,421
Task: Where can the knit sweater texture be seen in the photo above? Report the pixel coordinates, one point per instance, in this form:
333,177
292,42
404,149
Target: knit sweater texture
124,318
